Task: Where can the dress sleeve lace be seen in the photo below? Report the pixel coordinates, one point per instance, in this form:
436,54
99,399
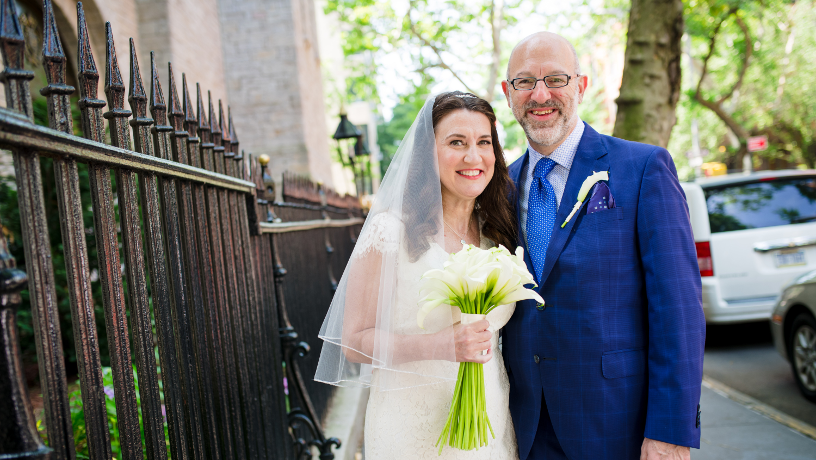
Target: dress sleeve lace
381,233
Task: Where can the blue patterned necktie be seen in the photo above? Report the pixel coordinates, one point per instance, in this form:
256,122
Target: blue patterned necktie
541,211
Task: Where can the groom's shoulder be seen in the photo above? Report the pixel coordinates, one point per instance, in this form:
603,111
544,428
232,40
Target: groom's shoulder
518,162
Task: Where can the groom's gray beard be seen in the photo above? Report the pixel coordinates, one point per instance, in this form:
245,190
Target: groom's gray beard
543,134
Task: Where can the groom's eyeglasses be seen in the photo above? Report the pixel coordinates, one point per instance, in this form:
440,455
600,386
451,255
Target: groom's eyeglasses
551,81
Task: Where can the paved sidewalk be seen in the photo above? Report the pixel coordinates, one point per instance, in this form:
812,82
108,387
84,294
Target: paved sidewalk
733,431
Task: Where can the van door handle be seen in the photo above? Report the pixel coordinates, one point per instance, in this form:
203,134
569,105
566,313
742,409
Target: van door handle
785,244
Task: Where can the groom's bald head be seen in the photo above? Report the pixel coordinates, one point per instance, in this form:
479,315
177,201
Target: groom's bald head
547,114
542,45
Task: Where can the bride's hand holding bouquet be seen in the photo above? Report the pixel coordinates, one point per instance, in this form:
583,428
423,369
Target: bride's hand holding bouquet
476,281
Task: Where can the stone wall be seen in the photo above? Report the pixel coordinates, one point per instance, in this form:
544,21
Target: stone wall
273,75
261,57
310,79
188,34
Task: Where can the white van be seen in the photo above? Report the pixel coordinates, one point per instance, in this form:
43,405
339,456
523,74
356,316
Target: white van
754,233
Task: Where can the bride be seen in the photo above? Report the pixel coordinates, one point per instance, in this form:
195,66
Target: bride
447,185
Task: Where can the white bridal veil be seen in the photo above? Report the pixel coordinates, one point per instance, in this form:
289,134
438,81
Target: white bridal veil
370,332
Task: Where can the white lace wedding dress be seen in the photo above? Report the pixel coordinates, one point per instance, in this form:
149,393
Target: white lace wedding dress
406,423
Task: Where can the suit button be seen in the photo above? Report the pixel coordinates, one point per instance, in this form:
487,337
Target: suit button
540,307
536,359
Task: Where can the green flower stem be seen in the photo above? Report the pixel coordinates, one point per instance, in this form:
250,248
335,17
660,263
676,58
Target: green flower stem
468,424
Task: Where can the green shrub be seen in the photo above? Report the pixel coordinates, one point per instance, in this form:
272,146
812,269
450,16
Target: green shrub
78,418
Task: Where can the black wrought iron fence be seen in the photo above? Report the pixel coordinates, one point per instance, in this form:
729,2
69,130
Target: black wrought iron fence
323,253
229,283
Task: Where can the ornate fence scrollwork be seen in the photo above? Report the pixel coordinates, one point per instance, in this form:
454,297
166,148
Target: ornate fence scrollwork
17,425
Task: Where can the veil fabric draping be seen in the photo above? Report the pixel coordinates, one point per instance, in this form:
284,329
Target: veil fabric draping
372,319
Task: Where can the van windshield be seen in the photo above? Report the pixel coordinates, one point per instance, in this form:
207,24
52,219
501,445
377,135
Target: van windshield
770,203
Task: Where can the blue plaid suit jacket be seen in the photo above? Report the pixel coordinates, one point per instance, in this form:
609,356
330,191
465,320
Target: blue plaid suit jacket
620,341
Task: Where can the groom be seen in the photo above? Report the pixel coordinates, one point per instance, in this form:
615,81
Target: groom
610,366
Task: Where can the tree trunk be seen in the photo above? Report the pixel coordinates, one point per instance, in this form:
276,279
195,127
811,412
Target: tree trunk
496,26
651,75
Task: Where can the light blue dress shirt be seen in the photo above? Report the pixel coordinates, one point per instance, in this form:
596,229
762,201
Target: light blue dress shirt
563,156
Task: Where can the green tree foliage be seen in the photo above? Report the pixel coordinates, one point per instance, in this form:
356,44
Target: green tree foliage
750,71
455,41
389,135
461,39
455,44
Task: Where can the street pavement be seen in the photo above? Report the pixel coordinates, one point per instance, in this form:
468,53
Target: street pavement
731,431
743,357
750,400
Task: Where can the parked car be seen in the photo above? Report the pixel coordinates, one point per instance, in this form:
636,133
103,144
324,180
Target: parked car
794,331
754,234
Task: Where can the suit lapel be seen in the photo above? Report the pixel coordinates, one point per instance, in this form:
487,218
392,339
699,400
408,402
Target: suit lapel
590,156
515,171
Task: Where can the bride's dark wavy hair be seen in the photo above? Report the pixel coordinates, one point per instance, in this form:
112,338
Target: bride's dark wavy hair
492,206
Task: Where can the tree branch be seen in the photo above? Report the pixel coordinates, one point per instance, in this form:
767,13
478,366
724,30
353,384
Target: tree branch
426,67
749,48
787,69
716,107
729,121
711,44
436,51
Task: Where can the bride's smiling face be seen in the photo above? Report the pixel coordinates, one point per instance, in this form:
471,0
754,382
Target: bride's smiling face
464,146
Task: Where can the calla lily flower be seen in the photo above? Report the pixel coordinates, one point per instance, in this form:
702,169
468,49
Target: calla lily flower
476,280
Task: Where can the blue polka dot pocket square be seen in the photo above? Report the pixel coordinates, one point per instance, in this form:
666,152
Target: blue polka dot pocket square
601,199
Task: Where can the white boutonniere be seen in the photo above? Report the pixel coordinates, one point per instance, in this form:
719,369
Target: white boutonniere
582,193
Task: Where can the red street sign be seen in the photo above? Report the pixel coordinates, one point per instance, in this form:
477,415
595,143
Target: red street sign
757,143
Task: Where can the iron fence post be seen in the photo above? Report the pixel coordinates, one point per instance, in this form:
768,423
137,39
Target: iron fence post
18,433
171,293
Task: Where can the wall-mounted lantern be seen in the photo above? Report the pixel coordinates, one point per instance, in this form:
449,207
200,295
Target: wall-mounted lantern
346,131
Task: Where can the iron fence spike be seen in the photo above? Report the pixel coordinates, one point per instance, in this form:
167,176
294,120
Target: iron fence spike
55,63
225,136
214,125
137,91
175,103
156,95
113,77
233,136
115,91
88,77
158,109
52,46
87,66
138,103
201,113
12,45
222,120
189,114
10,29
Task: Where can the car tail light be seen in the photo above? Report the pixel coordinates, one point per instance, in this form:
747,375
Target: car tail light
704,258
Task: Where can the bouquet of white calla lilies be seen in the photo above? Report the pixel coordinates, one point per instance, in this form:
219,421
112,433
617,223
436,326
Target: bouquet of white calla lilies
476,281
491,277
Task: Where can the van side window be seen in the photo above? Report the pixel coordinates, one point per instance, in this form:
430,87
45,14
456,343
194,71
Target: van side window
761,204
